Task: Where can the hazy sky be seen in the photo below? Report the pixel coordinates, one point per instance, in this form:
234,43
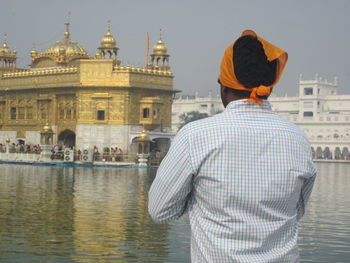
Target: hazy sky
315,33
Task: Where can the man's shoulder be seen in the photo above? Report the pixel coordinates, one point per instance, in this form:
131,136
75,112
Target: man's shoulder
201,124
291,126
269,121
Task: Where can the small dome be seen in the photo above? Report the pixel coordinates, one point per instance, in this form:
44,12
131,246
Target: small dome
144,137
33,53
47,128
5,49
160,48
98,55
108,41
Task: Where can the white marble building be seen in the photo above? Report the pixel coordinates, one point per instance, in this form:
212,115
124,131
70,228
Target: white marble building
322,114
317,109
187,103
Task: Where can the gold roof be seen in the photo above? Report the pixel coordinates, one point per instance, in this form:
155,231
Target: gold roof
108,41
66,46
160,48
47,128
33,51
4,50
144,137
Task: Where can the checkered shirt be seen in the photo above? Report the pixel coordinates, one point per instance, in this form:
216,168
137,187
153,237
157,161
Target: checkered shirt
244,176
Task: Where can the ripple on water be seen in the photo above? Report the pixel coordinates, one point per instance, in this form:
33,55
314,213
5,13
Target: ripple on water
60,214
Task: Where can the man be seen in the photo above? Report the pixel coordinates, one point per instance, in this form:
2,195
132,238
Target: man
244,175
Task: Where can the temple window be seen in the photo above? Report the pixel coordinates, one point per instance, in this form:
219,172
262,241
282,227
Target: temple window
308,114
69,114
145,113
13,113
308,91
29,113
43,115
100,115
43,110
61,114
21,113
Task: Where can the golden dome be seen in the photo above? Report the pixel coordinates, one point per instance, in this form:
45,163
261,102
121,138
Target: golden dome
108,41
160,48
70,48
5,49
47,128
67,46
144,137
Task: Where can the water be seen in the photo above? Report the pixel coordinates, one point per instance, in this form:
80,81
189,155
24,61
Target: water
60,214
325,229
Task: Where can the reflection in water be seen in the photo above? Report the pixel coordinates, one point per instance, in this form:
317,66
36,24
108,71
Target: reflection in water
111,219
36,218
325,229
51,214
60,214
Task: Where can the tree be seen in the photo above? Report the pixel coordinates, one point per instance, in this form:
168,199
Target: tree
191,116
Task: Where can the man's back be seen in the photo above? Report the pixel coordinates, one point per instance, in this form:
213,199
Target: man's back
244,176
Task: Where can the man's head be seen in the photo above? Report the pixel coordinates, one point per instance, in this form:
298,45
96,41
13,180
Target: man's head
251,65
250,68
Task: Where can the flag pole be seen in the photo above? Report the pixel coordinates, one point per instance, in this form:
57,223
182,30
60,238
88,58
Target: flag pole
147,49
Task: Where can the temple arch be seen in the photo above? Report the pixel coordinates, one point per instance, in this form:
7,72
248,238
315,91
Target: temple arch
319,153
337,153
345,154
66,137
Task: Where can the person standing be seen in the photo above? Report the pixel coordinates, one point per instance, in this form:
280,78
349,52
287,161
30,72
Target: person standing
244,175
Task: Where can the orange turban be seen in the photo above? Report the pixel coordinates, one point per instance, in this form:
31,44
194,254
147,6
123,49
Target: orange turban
228,78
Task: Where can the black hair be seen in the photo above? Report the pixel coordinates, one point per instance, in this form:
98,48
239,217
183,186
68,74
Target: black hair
251,65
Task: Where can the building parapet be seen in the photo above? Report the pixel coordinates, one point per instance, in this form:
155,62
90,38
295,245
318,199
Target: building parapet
47,71
277,99
142,70
318,80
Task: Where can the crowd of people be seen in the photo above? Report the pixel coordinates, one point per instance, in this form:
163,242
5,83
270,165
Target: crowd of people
107,153
104,154
21,148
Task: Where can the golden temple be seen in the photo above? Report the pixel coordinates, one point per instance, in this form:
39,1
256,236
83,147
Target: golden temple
86,100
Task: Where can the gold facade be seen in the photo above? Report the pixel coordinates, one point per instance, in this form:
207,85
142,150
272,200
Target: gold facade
66,87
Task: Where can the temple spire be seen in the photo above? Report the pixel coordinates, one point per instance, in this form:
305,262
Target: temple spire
109,25
66,34
67,23
5,41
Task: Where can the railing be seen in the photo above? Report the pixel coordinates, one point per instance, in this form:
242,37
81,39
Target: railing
21,150
154,159
19,156
97,156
